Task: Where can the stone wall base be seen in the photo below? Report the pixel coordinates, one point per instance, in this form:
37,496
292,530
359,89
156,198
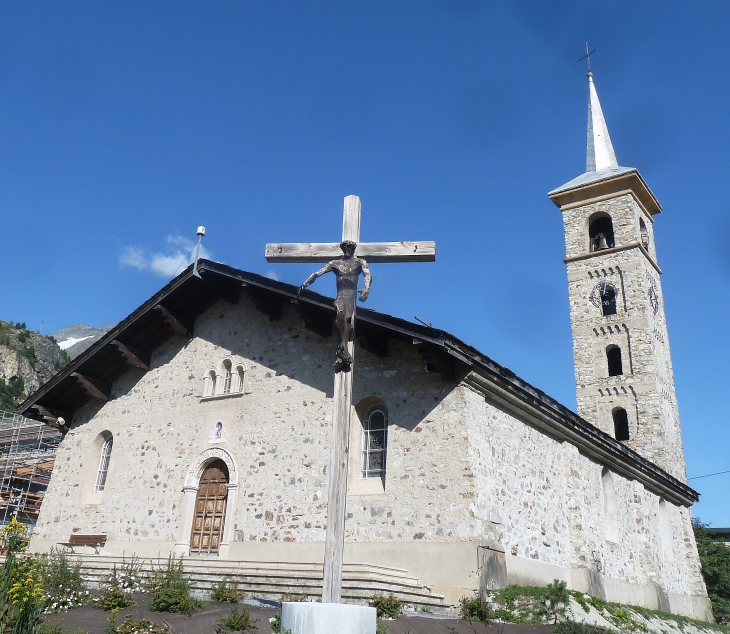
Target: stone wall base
433,574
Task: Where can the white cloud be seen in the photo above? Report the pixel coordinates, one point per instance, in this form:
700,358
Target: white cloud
179,253
133,257
272,275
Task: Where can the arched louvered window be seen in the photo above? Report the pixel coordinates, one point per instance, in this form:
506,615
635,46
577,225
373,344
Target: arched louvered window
240,375
106,452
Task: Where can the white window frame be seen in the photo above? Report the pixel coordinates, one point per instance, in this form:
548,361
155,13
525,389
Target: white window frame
367,450
103,470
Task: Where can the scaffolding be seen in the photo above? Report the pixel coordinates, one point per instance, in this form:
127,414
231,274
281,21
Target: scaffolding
27,454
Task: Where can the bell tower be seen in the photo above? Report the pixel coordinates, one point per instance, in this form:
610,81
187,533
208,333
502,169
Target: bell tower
623,370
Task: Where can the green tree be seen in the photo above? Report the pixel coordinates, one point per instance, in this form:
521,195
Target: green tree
715,560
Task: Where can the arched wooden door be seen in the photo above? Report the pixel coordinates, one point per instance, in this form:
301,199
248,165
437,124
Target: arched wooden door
210,510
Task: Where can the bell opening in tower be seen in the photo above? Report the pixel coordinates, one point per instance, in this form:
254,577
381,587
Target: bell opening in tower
608,299
613,356
600,232
620,424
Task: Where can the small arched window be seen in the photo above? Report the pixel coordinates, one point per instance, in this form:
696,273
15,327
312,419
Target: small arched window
644,234
240,375
600,232
608,299
620,424
613,356
106,452
227,376
210,381
375,442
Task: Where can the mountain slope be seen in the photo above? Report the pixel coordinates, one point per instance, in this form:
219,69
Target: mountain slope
76,338
27,360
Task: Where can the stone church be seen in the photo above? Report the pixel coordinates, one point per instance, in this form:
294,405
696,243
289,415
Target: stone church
200,425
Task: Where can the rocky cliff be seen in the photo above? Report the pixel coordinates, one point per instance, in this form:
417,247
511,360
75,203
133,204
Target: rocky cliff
27,360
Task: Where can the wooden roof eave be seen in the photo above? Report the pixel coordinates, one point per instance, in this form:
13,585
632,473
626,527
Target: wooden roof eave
496,381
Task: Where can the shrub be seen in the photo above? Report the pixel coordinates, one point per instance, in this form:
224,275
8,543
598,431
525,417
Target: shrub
520,604
475,609
174,600
129,578
62,583
223,594
236,622
381,628
571,627
715,561
168,576
138,626
26,595
115,598
556,600
388,607
12,540
57,628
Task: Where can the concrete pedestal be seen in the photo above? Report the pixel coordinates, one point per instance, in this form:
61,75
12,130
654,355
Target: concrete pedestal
327,618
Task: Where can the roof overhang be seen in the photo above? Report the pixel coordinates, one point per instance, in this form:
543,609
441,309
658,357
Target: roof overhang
172,311
604,183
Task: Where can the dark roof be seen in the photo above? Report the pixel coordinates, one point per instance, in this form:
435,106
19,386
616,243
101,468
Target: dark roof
174,309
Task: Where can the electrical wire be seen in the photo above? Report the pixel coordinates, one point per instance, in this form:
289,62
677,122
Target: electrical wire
708,475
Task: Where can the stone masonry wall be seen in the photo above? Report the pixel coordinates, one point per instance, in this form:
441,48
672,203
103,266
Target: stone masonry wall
646,387
459,469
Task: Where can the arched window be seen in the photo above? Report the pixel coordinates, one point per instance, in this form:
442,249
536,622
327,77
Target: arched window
608,299
210,381
613,356
227,376
374,442
620,424
600,232
644,234
240,375
106,452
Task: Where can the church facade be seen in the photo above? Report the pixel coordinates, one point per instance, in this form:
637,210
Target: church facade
201,426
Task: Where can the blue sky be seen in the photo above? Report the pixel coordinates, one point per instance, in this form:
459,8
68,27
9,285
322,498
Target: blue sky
124,126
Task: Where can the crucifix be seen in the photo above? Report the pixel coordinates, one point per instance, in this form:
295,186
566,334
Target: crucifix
347,260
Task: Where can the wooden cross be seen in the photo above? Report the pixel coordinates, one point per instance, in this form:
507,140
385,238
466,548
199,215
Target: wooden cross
337,494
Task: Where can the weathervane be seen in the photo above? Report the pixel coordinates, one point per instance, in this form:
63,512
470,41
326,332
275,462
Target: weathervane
587,57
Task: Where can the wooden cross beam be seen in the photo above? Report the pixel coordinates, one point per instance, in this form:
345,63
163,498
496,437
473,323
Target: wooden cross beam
337,494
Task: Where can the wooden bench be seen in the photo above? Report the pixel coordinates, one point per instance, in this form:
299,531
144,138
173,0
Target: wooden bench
94,541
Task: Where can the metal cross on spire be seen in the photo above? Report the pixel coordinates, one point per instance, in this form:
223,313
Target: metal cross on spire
587,57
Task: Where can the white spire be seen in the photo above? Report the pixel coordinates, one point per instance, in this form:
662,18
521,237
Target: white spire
599,150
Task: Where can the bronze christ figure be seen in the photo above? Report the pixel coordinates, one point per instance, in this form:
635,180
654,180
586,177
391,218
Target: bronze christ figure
347,269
